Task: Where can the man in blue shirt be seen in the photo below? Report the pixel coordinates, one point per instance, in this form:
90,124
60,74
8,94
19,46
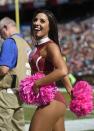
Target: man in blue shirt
8,56
11,111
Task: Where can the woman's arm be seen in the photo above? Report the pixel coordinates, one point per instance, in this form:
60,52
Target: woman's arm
65,80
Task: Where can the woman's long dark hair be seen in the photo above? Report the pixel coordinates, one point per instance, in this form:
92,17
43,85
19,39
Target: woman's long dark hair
53,30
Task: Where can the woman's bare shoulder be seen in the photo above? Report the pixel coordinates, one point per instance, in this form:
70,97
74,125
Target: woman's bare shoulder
53,49
52,45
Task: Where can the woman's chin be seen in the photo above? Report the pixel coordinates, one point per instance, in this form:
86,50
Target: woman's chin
39,37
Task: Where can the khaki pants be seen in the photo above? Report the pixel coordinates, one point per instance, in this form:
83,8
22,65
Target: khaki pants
11,113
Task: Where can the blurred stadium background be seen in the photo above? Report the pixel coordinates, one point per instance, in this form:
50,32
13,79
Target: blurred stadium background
76,35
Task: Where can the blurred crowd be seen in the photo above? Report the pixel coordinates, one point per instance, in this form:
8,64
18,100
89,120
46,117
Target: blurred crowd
77,44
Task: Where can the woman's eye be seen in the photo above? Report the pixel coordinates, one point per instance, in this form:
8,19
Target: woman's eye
42,21
38,20
34,20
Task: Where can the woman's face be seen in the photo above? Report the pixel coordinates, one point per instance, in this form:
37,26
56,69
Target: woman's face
40,26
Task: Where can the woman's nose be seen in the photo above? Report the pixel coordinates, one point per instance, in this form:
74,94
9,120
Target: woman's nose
37,22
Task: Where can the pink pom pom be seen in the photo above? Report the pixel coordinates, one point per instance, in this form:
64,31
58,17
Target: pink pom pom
82,102
46,93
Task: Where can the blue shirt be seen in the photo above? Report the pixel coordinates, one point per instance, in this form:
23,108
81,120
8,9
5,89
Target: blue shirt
9,53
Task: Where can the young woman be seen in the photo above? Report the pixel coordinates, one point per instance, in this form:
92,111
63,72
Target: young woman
47,58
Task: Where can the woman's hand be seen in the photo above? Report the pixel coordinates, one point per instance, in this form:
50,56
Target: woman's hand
36,88
70,92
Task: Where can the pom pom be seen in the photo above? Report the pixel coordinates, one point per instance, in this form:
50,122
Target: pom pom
82,101
46,93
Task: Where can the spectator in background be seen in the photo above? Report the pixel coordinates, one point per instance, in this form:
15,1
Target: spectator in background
13,55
